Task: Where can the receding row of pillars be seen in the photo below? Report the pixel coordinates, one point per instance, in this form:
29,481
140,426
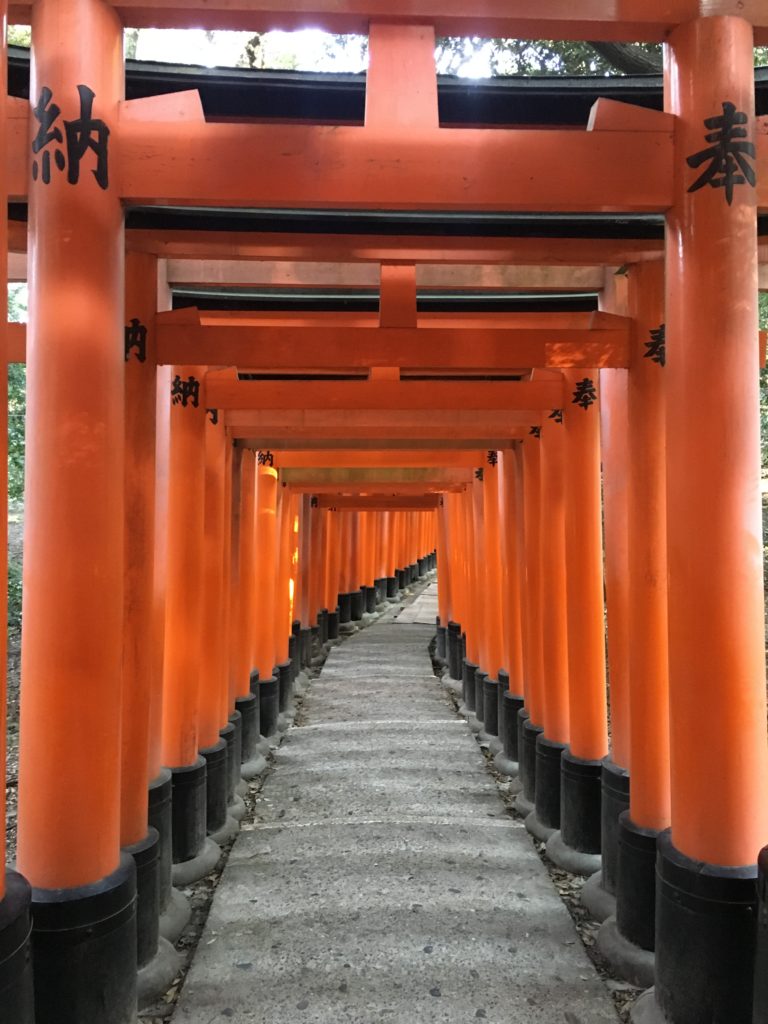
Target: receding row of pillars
568,540
220,587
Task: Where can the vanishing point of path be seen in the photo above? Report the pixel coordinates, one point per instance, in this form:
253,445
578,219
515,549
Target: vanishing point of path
384,880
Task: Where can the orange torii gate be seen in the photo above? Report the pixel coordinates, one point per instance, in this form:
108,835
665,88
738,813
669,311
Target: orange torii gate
153,151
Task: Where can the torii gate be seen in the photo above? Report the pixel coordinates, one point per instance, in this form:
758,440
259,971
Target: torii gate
81,153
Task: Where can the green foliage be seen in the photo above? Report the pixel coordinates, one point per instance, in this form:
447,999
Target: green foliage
19,35
14,592
17,399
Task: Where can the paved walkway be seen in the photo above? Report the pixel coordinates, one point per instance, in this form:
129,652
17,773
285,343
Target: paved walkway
383,881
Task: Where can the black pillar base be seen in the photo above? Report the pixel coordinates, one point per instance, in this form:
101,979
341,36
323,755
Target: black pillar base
615,800
453,641
285,685
392,585
636,888
250,710
527,734
293,655
414,568
16,992
548,781
333,625
509,733
345,608
358,605
480,678
705,938
370,599
441,642
145,856
761,958
468,670
491,706
161,819
269,699
380,586
215,786
84,950
322,625
402,578
188,811
580,803
232,734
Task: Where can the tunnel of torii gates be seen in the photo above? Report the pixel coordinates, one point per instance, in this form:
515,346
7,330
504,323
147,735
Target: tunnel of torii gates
211,493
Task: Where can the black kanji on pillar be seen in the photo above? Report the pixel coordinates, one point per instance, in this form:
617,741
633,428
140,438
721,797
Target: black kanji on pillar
657,346
585,393
136,338
185,392
213,416
556,415
81,135
266,459
535,431
493,457
728,158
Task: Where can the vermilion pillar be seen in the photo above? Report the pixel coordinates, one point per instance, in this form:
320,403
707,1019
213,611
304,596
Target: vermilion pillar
577,845
648,639
213,653
247,690
494,641
598,894
69,774
265,564
555,703
145,822
706,877
444,599
531,718
15,894
476,550
139,679
511,700
185,579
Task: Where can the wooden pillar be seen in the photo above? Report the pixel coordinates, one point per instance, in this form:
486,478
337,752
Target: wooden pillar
265,567
577,845
140,748
15,893
555,698
511,508
649,809
719,753
246,581
69,758
492,559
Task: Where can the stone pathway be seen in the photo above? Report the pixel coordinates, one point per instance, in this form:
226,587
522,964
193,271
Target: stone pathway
383,880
